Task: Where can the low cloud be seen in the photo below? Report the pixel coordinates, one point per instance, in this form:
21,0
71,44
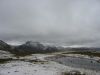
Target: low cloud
57,21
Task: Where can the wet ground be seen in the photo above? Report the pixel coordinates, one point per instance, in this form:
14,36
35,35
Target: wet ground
78,62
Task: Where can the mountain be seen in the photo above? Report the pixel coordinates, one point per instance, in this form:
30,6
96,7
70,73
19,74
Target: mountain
28,47
83,49
4,46
33,47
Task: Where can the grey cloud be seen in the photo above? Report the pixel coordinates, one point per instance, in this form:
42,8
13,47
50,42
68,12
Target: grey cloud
73,22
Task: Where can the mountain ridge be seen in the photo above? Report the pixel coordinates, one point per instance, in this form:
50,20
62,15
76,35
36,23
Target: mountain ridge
30,47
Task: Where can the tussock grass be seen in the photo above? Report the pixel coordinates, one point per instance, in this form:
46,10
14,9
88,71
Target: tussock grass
85,53
2,61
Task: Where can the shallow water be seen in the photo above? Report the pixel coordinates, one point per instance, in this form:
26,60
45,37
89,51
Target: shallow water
78,62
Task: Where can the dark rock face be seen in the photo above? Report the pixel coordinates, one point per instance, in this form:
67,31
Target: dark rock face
74,72
27,48
4,46
33,47
50,49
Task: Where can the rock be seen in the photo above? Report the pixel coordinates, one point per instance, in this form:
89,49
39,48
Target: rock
98,61
74,72
4,46
16,71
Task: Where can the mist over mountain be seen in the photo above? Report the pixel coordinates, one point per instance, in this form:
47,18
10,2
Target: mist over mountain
29,47
4,46
65,22
49,37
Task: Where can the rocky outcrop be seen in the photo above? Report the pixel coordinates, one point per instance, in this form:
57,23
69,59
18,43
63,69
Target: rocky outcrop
28,48
73,72
4,46
33,47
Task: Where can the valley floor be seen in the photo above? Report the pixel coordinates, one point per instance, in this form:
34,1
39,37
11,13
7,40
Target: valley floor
37,65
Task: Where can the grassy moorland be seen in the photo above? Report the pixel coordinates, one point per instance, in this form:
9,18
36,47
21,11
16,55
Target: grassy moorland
5,60
84,53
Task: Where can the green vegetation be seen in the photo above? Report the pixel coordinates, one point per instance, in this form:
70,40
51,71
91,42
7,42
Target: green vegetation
5,60
2,61
85,53
73,73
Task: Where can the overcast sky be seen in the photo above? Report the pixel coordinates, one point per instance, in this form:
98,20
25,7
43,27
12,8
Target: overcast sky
71,22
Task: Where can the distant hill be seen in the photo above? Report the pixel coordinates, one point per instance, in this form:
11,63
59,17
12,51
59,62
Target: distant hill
84,49
31,47
4,46
28,48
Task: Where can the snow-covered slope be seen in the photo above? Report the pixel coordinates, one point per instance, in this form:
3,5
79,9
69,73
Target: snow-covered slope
5,54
